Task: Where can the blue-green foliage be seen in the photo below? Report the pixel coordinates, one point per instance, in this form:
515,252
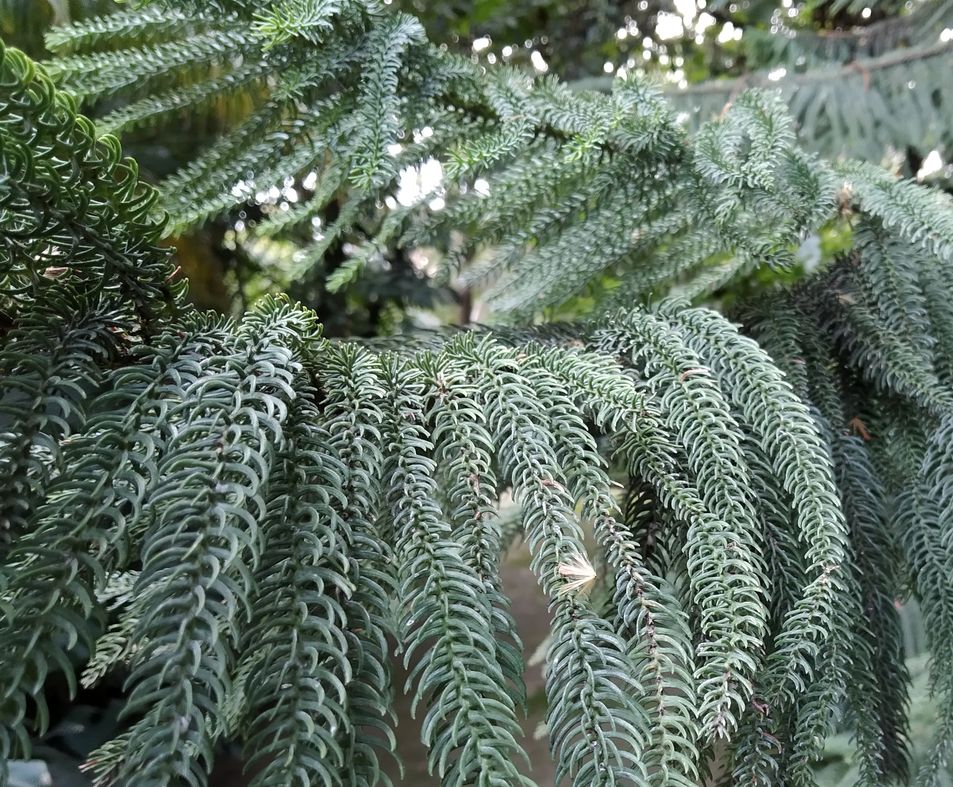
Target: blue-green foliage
287,509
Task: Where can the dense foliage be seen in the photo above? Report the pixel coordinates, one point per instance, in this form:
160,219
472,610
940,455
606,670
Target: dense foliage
244,518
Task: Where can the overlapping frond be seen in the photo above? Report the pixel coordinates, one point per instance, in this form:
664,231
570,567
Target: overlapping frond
869,355
291,507
555,190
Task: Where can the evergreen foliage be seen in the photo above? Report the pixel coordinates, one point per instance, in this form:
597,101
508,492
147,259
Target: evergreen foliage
857,91
246,519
